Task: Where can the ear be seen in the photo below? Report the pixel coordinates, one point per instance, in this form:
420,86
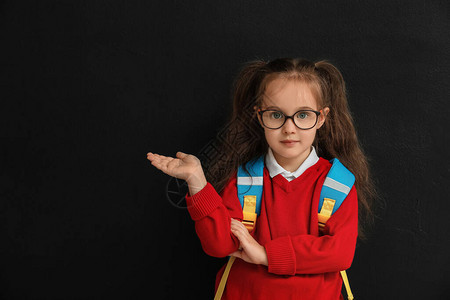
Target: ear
323,117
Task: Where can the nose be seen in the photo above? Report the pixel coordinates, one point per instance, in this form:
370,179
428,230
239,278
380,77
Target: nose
289,125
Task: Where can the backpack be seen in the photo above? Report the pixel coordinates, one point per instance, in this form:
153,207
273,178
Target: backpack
337,185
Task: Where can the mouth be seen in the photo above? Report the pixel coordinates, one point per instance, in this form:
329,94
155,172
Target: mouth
289,142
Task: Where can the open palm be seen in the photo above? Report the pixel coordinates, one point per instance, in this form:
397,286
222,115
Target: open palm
183,166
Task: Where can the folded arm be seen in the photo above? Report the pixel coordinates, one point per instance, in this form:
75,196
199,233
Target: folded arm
309,254
212,215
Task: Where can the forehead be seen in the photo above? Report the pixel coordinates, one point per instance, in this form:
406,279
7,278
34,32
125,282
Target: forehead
289,95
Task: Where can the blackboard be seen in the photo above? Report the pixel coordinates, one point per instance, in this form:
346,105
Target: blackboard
89,87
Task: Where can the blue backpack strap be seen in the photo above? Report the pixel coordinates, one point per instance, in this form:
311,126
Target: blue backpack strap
253,184
337,185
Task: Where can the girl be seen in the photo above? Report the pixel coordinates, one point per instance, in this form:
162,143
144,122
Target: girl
294,112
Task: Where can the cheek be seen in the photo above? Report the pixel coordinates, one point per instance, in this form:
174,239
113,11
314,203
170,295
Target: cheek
308,135
271,135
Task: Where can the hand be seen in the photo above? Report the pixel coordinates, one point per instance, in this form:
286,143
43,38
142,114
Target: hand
250,250
185,166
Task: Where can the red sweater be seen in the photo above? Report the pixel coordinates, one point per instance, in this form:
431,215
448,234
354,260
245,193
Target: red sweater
302,263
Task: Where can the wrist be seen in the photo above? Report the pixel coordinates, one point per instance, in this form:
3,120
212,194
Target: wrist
265,260
196,183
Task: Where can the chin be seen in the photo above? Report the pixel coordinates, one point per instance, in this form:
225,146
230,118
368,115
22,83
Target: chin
294,152
288,153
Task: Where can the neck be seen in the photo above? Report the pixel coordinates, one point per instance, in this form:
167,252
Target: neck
291,164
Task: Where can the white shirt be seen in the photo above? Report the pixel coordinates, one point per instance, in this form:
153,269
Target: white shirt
275,169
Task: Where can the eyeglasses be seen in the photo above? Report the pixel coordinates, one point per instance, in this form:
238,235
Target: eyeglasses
303,119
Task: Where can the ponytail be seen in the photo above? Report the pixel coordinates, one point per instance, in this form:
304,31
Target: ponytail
337,138
242,138
246,88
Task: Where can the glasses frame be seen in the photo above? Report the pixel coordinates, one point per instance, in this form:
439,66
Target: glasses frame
261,111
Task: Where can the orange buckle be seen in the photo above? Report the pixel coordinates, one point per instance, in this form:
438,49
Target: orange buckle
249,220
322,219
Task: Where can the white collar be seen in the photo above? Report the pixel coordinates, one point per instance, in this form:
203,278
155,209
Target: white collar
275,169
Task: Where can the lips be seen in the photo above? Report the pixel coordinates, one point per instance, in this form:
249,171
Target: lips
289,141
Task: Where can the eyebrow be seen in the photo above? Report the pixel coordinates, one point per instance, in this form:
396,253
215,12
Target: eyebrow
298,108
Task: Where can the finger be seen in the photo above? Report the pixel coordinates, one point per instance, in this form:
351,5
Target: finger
156,157
151,156
237,254
236,222
164,161
237,233
240,226
181,154
157,161
241,237
163,164
237,227
162,157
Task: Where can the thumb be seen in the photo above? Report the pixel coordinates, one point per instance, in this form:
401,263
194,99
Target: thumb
237,253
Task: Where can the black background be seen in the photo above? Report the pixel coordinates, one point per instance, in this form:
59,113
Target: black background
89,87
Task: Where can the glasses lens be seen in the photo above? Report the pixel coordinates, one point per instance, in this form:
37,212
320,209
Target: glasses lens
272,118
305,119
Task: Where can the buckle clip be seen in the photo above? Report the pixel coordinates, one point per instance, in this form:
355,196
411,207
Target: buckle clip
249,220
249,212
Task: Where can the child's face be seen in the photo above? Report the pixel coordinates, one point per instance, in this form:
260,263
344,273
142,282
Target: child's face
290,96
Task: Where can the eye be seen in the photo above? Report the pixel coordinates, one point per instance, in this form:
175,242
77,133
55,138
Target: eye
276,115
303,115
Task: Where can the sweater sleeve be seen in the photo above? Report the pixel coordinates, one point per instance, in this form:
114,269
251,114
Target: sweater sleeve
310,254
212,215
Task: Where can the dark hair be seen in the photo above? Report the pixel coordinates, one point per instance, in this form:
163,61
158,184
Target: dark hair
243,138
